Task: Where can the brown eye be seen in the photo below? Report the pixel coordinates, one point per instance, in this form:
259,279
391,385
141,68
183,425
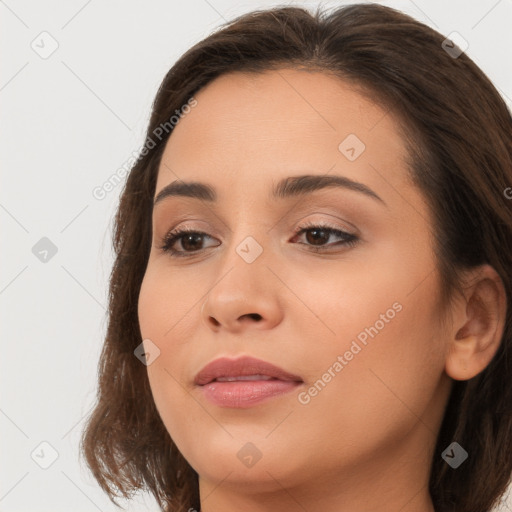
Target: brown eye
189,239
318,236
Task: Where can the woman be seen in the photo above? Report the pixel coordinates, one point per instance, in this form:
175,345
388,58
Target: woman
310,307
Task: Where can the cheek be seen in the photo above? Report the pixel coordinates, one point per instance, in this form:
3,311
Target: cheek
383,364
381,318
166,305
168,318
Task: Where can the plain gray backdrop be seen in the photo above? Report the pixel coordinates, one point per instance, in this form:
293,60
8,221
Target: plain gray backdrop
77,82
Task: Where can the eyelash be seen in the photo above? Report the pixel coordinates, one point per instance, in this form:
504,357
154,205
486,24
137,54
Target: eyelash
349,239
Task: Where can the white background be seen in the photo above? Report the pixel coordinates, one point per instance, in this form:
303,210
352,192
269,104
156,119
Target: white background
68,123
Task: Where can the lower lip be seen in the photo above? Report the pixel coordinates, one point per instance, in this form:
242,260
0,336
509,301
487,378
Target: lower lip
246,393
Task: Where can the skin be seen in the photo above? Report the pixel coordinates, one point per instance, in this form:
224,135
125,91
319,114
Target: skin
365,441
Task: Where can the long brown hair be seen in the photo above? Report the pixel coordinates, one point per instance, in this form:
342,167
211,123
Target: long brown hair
459,135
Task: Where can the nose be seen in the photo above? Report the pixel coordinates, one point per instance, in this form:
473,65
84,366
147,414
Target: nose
245,297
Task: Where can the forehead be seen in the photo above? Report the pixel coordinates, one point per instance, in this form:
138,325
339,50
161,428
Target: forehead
250,127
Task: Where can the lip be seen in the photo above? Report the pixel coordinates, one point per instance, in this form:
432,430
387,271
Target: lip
241,366
244,393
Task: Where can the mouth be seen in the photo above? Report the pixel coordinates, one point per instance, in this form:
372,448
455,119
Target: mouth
244,377
244,382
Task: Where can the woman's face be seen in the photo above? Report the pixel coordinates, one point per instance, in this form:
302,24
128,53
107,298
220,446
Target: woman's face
354,316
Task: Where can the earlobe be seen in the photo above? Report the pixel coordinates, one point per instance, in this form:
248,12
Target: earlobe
477,337
464,360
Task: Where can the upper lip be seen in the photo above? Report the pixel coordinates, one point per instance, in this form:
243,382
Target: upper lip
245,365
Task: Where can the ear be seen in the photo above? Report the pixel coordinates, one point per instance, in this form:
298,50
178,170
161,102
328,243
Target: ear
479,320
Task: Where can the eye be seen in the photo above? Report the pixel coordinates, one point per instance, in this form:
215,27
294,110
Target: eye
316,236
189,239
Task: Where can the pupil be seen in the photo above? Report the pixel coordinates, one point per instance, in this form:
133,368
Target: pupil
195,241
315,238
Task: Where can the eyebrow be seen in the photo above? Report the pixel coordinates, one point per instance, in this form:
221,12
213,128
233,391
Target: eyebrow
288,187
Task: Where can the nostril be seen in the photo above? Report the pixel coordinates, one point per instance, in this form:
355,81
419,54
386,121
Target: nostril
214,321
254,316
